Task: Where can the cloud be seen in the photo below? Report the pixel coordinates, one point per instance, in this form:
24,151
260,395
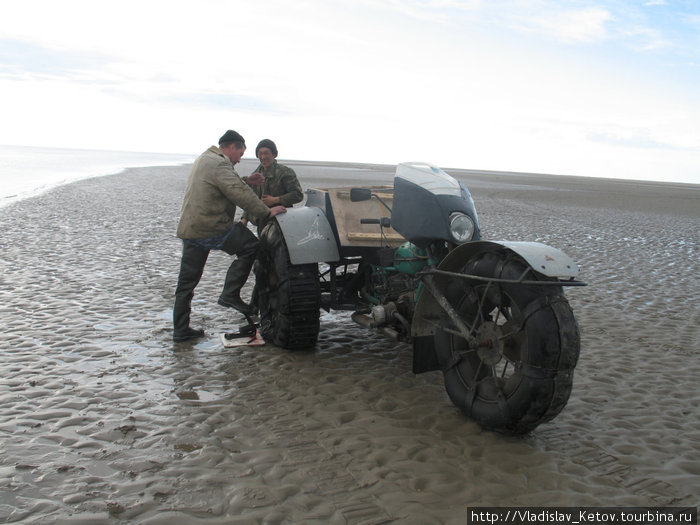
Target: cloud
571,26
640,141
17,56
225,101
646,39
505,84
441,11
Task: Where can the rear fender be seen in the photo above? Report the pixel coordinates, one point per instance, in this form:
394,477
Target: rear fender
544,259
308,236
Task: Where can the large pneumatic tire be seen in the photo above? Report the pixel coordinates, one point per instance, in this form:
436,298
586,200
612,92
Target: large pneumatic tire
289,296
519,371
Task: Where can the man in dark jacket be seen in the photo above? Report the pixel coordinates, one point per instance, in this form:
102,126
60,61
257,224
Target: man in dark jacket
214,189
279,186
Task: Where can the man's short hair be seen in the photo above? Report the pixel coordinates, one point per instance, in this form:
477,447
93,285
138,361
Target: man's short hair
232,137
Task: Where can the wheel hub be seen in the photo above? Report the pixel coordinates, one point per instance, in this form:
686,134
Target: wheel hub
489,345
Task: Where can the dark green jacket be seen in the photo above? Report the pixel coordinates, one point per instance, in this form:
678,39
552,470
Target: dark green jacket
280,181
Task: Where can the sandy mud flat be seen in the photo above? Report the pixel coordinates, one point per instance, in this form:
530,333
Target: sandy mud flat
104,420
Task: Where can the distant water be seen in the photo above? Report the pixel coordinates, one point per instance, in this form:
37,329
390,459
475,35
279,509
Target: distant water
27,171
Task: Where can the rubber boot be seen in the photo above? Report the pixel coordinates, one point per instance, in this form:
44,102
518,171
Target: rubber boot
247,245
236,277
191,268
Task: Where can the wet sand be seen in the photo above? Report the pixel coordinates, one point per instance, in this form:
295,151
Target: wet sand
104,420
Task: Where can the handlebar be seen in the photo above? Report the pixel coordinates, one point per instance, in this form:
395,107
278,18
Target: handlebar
384,221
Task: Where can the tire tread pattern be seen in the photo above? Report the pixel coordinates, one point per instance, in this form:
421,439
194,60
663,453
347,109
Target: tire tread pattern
552,349
290,299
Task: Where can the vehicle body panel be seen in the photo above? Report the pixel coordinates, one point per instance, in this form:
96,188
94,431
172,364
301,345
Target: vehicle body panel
308,236
544,259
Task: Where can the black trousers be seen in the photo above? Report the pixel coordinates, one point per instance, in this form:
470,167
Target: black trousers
241,242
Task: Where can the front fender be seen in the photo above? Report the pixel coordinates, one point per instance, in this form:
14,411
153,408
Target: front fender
308,235
544,259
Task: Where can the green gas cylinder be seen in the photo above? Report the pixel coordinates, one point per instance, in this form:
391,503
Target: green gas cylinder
409,258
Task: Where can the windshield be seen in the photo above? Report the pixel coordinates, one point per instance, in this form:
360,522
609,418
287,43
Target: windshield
429,177
425,197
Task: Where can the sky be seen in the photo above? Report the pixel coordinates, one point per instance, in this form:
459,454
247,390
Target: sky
602,88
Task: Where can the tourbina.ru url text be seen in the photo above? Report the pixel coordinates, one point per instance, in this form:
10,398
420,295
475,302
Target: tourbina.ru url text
581,515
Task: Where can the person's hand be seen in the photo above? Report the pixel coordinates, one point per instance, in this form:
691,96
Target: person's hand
256,179
244,221
270,201
276,210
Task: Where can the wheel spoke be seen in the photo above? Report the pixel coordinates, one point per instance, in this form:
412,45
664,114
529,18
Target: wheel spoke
487,381
505,367
480,311
478,370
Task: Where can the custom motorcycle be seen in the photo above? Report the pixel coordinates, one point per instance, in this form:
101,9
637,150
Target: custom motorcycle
409,261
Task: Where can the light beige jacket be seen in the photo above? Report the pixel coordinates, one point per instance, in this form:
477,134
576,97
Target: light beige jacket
214,189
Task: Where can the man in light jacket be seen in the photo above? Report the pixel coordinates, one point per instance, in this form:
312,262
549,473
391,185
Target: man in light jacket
213,192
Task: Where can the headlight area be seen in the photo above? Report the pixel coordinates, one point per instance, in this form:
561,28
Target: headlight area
461,227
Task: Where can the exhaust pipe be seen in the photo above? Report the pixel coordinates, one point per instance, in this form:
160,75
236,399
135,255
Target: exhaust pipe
362,319
366,321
